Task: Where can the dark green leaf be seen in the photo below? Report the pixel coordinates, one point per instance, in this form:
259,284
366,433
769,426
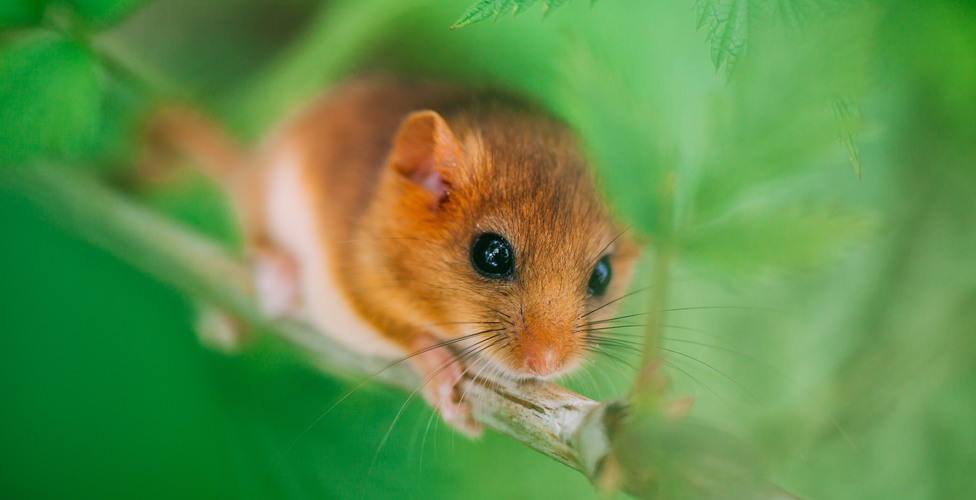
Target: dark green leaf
485,9
50,100
726,24
20,13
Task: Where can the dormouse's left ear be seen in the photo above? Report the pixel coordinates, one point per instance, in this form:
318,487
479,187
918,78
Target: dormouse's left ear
426,152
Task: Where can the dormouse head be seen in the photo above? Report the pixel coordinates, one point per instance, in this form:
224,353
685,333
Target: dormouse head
500,240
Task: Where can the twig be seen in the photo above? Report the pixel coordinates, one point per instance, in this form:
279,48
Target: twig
542,416
576,431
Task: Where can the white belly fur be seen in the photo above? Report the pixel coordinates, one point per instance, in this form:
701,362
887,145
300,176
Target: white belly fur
291,227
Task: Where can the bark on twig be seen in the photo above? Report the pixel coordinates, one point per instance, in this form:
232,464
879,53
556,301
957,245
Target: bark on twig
542,416
593,438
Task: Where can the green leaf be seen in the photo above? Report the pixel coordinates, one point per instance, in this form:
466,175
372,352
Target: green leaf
104,12
50,100
20,13
619,131
485,9
779,116
794,238
686,459
849,120
549,5
726,24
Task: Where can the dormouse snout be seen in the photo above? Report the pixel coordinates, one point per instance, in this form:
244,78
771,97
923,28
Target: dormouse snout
543,363
545,349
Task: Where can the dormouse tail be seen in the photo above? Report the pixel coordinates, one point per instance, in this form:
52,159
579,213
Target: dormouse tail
185,133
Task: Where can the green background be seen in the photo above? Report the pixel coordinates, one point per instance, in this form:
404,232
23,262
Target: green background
827,319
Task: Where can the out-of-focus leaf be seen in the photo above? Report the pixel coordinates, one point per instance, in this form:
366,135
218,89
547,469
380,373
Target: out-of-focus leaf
629,157
791,238
50,100
20,13
726,24
485,9
849,120
779,115
662,458
104,12
118,136
550,4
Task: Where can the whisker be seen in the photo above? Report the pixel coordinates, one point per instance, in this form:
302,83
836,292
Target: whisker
599,254
609,334
716,370
503,314
703,385
486,364
460,323
620,370
602,337
614,319
598,350
454,359
368,379
746,308
627,348
604,328
730,351
624,296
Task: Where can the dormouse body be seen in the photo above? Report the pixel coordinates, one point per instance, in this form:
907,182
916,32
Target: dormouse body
397,216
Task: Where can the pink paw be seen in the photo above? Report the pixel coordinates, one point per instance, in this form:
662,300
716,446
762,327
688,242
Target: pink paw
442,373
220,330
276,282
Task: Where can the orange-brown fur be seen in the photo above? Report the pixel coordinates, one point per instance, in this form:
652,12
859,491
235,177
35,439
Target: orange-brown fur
400,253
404,260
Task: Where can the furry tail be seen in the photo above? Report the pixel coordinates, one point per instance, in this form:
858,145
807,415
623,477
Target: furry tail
184,133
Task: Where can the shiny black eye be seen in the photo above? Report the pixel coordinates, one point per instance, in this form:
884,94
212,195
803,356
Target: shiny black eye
600,277
492,256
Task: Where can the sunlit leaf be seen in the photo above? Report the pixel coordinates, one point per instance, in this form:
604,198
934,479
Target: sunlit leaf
726,24
50,100
486,9
616,126
791,238
780,113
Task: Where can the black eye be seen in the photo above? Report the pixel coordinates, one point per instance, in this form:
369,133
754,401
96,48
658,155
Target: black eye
600,277
492,256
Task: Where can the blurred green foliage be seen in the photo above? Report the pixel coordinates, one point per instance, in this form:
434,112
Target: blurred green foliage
485,9
19,13
824,319
47,78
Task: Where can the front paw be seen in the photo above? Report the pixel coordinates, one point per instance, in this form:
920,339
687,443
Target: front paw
276,281
445,393
442,375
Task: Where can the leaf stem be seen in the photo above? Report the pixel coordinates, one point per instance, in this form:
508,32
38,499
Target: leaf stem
650,384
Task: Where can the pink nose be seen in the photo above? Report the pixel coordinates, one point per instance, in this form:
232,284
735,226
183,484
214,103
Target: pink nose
542,363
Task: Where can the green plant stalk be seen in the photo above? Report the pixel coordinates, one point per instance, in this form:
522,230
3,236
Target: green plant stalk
342,34
543,416
650,383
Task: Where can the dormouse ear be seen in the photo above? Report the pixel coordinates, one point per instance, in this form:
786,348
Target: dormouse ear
426,152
